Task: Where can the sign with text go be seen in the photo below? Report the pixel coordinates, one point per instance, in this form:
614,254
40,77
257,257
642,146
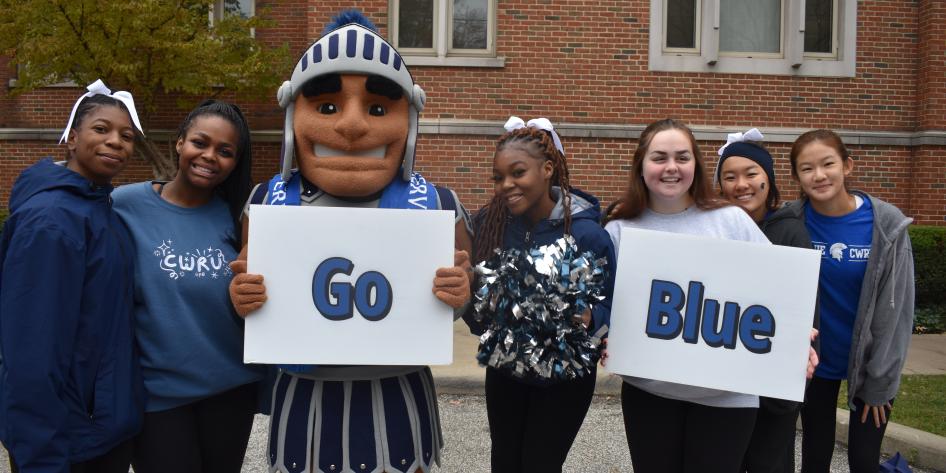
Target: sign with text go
714,313
349,286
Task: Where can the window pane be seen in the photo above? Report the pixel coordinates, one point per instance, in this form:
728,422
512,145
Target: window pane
750,25
415,24
242,8
681,23
819,25
470,24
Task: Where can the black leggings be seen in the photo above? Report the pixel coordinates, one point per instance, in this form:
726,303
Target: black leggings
818,424
207,436
531,428
670,436
772,447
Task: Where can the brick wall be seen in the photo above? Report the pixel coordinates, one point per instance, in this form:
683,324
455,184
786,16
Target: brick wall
931,90
584,63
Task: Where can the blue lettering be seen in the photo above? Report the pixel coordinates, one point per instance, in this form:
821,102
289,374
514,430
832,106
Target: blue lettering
322,287
725,336
348,297
368,282
691,322
752,327
756,321
663,313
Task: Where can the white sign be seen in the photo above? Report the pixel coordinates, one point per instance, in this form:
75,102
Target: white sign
719,314
349,286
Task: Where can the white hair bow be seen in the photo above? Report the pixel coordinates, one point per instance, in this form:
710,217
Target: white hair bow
515,123
98,88
750,135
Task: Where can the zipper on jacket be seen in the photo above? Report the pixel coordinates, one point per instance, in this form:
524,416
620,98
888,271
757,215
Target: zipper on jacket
528,237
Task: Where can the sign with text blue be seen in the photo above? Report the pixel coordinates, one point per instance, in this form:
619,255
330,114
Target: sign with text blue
349,286
721,314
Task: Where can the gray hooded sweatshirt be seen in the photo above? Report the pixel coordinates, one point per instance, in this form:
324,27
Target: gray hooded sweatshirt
884,320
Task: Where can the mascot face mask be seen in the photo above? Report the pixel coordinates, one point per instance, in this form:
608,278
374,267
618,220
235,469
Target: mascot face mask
351,114
350,131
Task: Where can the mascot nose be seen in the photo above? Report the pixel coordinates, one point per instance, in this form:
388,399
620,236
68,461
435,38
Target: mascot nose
352,123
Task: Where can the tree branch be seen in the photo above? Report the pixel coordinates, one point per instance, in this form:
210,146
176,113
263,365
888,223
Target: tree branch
77,32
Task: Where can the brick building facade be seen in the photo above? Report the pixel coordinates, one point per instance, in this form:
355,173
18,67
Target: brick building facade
591,67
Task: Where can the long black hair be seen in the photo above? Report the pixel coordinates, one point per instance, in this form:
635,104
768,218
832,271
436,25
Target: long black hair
235,189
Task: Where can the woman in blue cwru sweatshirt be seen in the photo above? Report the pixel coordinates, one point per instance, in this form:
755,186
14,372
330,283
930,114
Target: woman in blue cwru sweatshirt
866,291
71,395
201,397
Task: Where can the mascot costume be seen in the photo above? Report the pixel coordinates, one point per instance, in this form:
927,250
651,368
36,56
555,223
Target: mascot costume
351,124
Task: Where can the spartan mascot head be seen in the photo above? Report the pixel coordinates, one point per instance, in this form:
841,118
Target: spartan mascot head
351,111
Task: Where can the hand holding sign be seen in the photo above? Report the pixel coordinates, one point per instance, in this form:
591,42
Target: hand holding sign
812,356
247,292
452,285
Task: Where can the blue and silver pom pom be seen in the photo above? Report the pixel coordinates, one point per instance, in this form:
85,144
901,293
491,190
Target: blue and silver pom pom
533,302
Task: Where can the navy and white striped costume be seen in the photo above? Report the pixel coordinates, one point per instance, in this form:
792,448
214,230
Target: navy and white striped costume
356,419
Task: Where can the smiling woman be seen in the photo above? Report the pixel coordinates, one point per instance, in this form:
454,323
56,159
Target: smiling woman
70,382
534,205
670,426
101,144
746,177
866,286
186,232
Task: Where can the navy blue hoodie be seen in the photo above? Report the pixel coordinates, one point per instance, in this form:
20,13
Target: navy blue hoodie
70,383
585,228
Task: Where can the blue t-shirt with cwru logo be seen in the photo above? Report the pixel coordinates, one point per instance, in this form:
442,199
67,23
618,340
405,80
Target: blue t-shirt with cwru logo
189,337
845,244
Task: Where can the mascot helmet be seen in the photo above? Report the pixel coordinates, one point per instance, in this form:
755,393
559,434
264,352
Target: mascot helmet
351,49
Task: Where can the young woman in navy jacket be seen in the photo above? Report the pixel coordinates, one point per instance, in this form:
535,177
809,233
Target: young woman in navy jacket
533,422
71,394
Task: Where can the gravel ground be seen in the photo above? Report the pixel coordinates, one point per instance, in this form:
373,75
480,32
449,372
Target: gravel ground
600,446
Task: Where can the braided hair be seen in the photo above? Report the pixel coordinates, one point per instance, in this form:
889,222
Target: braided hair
492,219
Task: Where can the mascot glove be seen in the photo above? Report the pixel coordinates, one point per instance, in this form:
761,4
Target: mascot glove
247,292
452,285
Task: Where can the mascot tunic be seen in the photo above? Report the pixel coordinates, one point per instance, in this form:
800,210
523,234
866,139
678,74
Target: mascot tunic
351,124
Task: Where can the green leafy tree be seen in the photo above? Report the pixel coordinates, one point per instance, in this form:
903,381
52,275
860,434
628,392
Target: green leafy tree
148,47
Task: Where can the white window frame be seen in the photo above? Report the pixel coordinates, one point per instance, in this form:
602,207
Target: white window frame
442,52
791,61
216,11
833,55
697,26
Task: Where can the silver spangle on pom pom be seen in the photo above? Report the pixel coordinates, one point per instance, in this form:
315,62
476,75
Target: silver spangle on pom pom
534,301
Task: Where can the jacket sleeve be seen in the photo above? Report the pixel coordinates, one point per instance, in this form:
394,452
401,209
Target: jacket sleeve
600,244
891,327
476,327
40,300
